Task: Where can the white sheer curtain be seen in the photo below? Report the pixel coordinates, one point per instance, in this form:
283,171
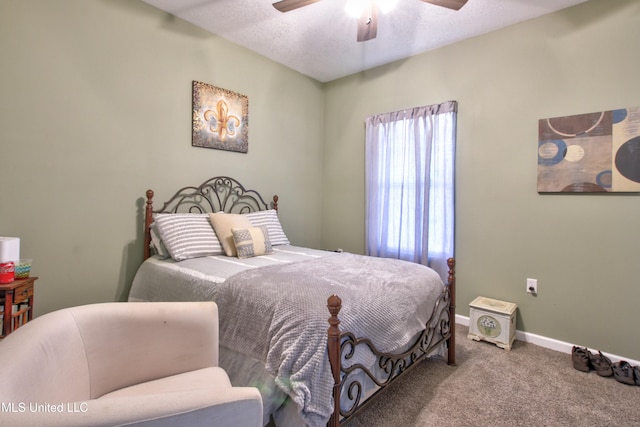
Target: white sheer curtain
410,158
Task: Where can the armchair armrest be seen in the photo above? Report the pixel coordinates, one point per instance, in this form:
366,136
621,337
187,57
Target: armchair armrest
131,343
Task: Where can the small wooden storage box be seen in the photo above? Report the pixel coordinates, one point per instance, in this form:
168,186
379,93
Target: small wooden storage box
493,321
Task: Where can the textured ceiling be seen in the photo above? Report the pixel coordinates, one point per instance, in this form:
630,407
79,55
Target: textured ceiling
319,40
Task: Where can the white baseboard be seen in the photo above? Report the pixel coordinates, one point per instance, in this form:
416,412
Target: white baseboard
553,344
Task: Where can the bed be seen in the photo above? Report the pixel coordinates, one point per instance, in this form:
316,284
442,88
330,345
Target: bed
283,325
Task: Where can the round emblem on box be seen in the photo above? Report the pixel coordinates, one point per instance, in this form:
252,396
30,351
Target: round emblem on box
489,326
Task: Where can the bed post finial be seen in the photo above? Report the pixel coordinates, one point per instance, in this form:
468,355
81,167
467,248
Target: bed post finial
275,202
334,304
148,219
451,356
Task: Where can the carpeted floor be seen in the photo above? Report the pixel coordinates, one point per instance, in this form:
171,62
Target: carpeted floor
527,386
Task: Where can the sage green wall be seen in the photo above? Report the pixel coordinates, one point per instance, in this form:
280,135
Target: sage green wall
583,249
95,101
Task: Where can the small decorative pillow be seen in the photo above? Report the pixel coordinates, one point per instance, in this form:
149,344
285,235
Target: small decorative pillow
223,223
252,241
269,219
187,235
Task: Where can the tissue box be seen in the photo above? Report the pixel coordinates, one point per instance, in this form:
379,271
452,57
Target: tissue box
9,249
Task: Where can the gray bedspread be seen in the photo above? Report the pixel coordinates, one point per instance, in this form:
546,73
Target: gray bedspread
277,314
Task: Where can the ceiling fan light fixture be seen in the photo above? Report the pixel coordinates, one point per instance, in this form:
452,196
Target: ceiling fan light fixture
386,6
355,8
365,11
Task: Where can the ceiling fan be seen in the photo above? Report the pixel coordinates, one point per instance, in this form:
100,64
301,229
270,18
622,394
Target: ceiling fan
368,16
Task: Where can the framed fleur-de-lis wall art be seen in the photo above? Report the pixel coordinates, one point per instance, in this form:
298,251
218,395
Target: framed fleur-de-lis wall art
220,118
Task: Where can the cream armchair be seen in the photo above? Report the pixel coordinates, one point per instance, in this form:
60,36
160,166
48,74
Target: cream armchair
143,364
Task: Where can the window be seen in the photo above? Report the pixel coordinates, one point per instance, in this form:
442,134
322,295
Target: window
409,184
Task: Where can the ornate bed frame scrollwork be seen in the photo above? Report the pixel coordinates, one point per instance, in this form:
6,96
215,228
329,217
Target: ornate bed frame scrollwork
342,346
225,194
218,194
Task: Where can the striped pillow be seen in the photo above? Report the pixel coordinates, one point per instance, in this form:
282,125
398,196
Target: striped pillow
270,220
188,235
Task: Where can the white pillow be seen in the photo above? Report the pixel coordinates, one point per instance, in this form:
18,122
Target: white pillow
270,220
156,242
188,235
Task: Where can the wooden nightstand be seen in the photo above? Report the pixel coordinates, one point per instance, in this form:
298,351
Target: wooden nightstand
20,294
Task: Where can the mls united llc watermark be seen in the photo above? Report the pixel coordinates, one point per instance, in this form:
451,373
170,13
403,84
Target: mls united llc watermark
23,407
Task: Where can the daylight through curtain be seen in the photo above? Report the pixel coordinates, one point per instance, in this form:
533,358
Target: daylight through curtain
410,158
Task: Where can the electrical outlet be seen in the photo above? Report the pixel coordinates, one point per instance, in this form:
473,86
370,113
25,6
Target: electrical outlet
532,286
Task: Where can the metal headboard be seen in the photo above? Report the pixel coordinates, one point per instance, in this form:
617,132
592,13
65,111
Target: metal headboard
218,194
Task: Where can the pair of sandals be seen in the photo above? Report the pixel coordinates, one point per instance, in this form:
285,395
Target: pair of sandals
583,360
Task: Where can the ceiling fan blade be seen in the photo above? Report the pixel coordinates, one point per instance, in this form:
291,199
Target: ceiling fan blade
287,5
449,4
368,24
